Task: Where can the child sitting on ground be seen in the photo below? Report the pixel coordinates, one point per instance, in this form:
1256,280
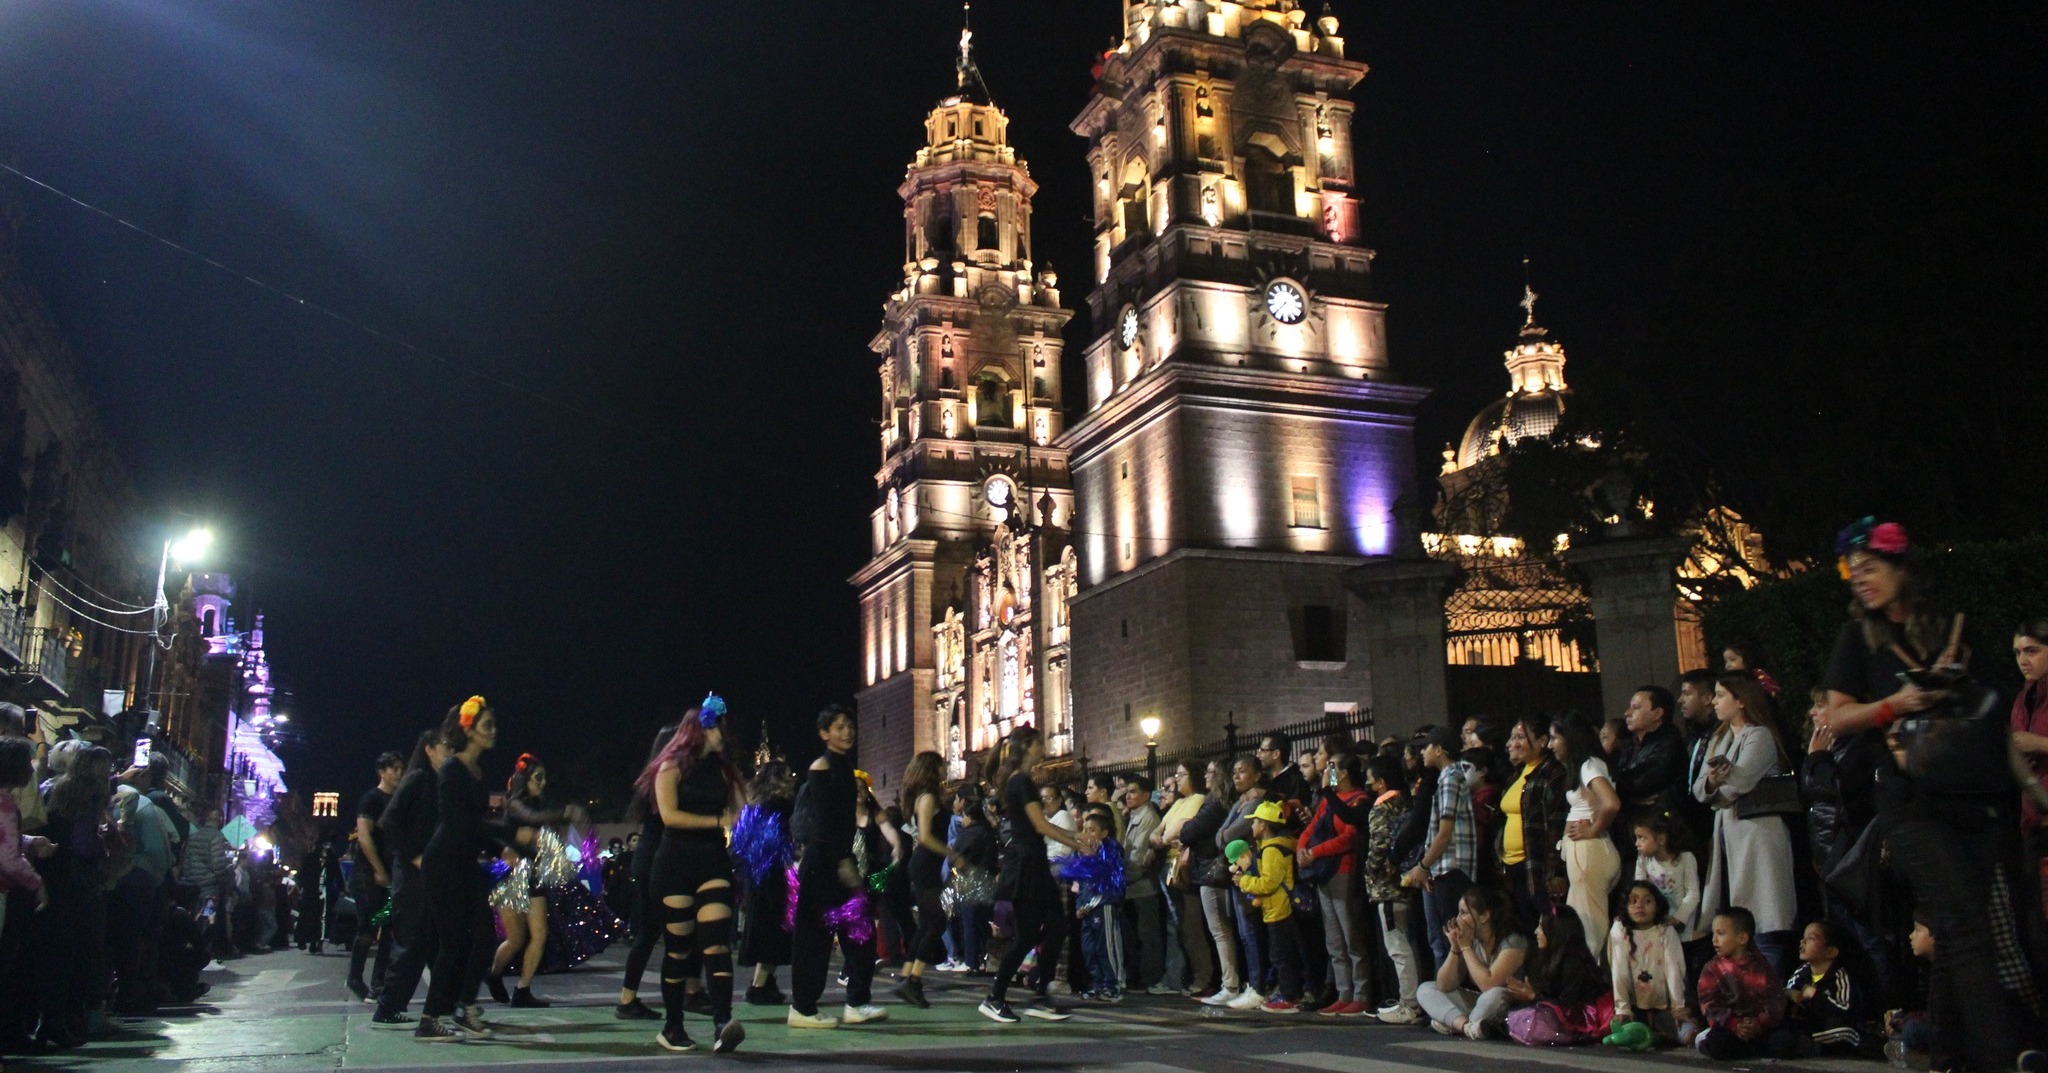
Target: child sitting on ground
1822,1002
1569,999
1910,1030
1646,967
1270,882
1096,874
1739,999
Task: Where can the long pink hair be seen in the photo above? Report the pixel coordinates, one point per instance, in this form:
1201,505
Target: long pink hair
682,751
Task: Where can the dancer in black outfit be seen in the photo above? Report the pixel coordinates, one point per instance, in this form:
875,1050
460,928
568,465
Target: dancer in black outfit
824,824
457,888
405,827
648,932
697,791
1026,878
764,942
923,789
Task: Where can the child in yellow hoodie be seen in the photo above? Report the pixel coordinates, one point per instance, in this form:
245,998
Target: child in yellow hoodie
1270,882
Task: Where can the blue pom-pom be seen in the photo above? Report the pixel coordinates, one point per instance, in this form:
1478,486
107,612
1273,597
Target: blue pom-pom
760,841
1102,870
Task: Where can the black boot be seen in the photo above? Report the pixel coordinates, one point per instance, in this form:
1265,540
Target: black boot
523,999
497,985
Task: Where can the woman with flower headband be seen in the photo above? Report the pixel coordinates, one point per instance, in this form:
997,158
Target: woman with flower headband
697,791
456,886
1957,851
540,863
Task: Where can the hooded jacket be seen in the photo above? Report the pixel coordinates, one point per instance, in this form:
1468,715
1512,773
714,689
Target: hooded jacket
1271,882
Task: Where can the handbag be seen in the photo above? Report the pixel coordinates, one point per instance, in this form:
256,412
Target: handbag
1773,795
1180,878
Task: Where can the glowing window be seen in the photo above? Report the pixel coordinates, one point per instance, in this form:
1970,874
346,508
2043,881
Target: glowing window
1308,504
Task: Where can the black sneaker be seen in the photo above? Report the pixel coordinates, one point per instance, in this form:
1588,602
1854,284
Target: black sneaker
497,986
911,990
431,1030
1046,1011
635,1010
999,1012
393,1021
728,1037
769,995
360,990
673,1038
469,1021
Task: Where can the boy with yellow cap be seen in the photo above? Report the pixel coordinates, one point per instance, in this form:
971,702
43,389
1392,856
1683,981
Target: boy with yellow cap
1270,882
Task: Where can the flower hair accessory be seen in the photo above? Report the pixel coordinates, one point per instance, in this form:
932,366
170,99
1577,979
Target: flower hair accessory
711,711
1886,540
469,711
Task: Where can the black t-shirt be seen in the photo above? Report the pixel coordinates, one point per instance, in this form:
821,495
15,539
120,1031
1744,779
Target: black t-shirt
703,793
1859,671
1027,876
370,808
410,818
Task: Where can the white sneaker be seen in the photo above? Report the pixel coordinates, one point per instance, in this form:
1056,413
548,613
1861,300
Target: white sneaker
949,966
1162,988
1222,997
805,1020
1248,999
1399,1015
857,1015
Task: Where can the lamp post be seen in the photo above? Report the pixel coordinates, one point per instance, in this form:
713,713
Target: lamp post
185,549
1150,725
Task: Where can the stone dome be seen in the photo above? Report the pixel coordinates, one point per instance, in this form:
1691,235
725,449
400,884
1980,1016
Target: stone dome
1509,420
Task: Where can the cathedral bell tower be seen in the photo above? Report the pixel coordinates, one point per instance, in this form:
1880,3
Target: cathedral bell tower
970,408
1243,443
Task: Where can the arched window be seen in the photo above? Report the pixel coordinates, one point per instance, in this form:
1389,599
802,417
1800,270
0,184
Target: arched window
1133,200
946,378
992,403
1268,184
987,234
209,623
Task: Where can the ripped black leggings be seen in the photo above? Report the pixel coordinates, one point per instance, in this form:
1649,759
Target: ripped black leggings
693,884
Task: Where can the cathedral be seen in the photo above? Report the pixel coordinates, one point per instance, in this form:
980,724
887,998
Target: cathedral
964,597
1178,554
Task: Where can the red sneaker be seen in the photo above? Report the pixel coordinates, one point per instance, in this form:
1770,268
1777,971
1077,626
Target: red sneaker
1280,1005
1334,1009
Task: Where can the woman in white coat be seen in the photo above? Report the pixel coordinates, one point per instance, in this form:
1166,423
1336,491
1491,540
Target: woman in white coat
1752,859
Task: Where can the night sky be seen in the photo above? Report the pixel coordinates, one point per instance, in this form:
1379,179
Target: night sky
677,223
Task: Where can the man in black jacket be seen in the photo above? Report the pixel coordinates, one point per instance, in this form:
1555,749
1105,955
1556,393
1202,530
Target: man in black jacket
1648,765
824,824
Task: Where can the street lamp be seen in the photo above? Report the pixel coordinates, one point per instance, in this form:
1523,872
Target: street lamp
184,549
1150,725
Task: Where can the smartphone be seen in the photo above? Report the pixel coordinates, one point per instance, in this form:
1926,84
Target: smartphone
141,753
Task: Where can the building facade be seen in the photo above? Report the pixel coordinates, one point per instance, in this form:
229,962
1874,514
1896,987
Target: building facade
1243,442
73,569
972,489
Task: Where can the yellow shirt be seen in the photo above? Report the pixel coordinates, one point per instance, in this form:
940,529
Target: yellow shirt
1512,851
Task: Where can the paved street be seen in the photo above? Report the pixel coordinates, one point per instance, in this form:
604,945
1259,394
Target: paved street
287,1012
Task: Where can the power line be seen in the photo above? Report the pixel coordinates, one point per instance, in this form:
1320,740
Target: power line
48,576
467,370
54,598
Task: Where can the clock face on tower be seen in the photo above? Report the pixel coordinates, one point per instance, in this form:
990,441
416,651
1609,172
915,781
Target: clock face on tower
1001,494
1285,302
1127,328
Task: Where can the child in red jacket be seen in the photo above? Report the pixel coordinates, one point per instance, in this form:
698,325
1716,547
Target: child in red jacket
1740,996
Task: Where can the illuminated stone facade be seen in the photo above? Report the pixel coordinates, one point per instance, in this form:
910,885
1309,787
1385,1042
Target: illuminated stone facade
971,488
1242,444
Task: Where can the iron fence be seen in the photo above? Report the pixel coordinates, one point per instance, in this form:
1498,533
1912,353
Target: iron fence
1355,726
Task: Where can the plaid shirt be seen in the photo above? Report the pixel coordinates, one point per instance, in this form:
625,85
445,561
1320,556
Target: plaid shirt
1454,799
